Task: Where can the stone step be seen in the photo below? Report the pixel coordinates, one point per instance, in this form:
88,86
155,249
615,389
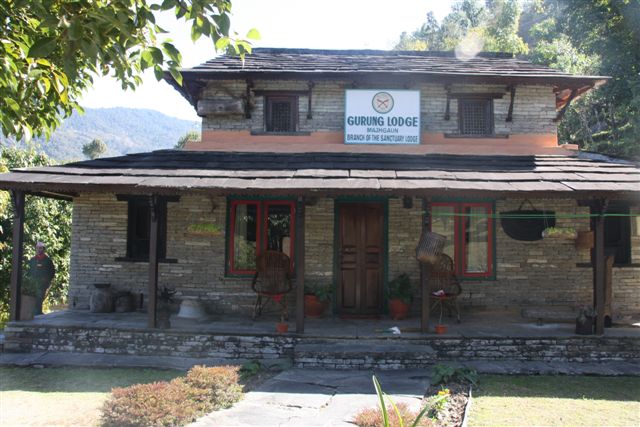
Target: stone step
362,354
550,313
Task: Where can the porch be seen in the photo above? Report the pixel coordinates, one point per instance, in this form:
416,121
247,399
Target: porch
328,343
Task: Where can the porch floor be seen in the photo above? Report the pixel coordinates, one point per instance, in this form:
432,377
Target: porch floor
473,325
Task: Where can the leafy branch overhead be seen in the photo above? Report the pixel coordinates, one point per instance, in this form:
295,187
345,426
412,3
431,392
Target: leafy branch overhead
50,51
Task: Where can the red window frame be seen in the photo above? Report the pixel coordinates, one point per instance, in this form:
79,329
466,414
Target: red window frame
262,207
459,232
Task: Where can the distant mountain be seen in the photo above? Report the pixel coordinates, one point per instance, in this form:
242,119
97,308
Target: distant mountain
123,130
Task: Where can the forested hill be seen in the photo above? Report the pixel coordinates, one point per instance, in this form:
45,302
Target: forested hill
123,130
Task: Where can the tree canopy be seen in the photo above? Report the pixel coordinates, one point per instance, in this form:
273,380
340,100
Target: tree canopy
50,51
597,37
94,149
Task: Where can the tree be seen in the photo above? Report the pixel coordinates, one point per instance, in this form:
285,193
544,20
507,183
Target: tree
46,220
94,149
51,50
191,136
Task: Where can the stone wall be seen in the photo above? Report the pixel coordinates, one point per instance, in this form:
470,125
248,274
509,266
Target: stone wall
545,273
533,112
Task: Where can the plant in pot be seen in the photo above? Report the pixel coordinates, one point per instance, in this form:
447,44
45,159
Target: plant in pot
585,320
316,300
282,326
165,298
400,296
28,292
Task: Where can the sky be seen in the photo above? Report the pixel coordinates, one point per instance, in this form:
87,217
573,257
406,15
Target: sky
326,24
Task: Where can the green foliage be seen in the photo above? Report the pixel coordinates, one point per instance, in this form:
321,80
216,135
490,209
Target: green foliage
250,369
94,149
395,415
321,290
46,220
445,374
173,403
55,48
400,288
189,137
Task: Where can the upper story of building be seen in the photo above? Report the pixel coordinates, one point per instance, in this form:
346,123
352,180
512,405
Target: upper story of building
301,100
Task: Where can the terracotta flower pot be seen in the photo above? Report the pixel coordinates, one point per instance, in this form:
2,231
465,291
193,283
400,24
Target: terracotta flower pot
398,309
441,329
282,327
313,307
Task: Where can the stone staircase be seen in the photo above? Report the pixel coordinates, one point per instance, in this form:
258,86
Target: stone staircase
362,353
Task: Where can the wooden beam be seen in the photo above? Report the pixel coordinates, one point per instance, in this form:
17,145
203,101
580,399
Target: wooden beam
512,89
17,196
309,112
299,264
560,114
152,286
599,267
424,276
447,110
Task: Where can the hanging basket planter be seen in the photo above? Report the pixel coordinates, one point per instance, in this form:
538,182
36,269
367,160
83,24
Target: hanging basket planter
527,225
585,239
430,247
561,233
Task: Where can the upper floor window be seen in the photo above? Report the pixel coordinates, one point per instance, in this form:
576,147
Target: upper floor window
475,116
468,228
281,113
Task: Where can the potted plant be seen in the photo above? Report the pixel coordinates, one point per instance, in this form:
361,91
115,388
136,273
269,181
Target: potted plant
585,320
316,300
400,296
28,291
165,298
282,327
559,233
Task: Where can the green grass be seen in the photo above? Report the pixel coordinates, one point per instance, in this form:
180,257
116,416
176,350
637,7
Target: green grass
555,401
64,396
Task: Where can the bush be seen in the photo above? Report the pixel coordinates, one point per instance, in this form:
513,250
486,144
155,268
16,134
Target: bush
218,385
155,404
372,417
173,403
444,374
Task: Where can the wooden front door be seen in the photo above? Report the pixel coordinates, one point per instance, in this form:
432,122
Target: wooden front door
360,258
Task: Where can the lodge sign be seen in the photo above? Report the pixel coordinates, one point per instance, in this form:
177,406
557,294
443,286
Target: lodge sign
382,116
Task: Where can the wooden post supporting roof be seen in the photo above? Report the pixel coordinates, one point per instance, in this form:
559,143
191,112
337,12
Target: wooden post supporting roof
152,286
17,197
599,266
299,264
424,273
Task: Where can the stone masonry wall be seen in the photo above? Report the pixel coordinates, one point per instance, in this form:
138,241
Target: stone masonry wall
533,112
528,274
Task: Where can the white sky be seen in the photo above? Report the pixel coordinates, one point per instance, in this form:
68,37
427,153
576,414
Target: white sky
326,24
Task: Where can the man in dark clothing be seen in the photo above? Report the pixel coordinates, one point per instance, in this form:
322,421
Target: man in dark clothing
41,271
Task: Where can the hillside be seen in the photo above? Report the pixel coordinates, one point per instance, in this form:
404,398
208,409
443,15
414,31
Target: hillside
124,130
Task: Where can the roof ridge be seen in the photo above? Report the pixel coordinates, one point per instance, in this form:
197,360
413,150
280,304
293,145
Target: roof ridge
433,53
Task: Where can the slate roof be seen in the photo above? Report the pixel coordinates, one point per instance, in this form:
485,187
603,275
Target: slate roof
174,172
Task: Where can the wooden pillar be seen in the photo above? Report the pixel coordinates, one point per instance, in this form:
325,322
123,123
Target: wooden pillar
17,197
152,286
424,276
599,267
299,264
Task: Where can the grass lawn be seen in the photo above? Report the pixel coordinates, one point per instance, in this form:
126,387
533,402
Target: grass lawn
64,396
555,401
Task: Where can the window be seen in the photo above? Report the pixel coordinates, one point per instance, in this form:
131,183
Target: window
617,234
139,227
468,228
281,113
257,226
475,116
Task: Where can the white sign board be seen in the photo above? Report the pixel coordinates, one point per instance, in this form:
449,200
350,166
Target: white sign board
382,117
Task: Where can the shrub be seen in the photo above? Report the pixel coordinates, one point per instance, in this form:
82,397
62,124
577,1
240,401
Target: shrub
217,385
444,374
155,404
372,417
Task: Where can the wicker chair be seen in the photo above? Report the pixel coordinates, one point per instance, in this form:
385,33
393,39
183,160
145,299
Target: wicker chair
444,286
272,282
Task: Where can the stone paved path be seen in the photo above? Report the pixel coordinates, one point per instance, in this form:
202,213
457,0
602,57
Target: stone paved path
303,397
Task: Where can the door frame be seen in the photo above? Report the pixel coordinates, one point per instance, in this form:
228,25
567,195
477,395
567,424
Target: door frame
337,204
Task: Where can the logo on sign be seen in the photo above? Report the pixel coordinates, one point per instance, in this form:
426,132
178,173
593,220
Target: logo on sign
382,102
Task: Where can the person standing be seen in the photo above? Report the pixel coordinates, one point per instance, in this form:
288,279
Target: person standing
41,271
